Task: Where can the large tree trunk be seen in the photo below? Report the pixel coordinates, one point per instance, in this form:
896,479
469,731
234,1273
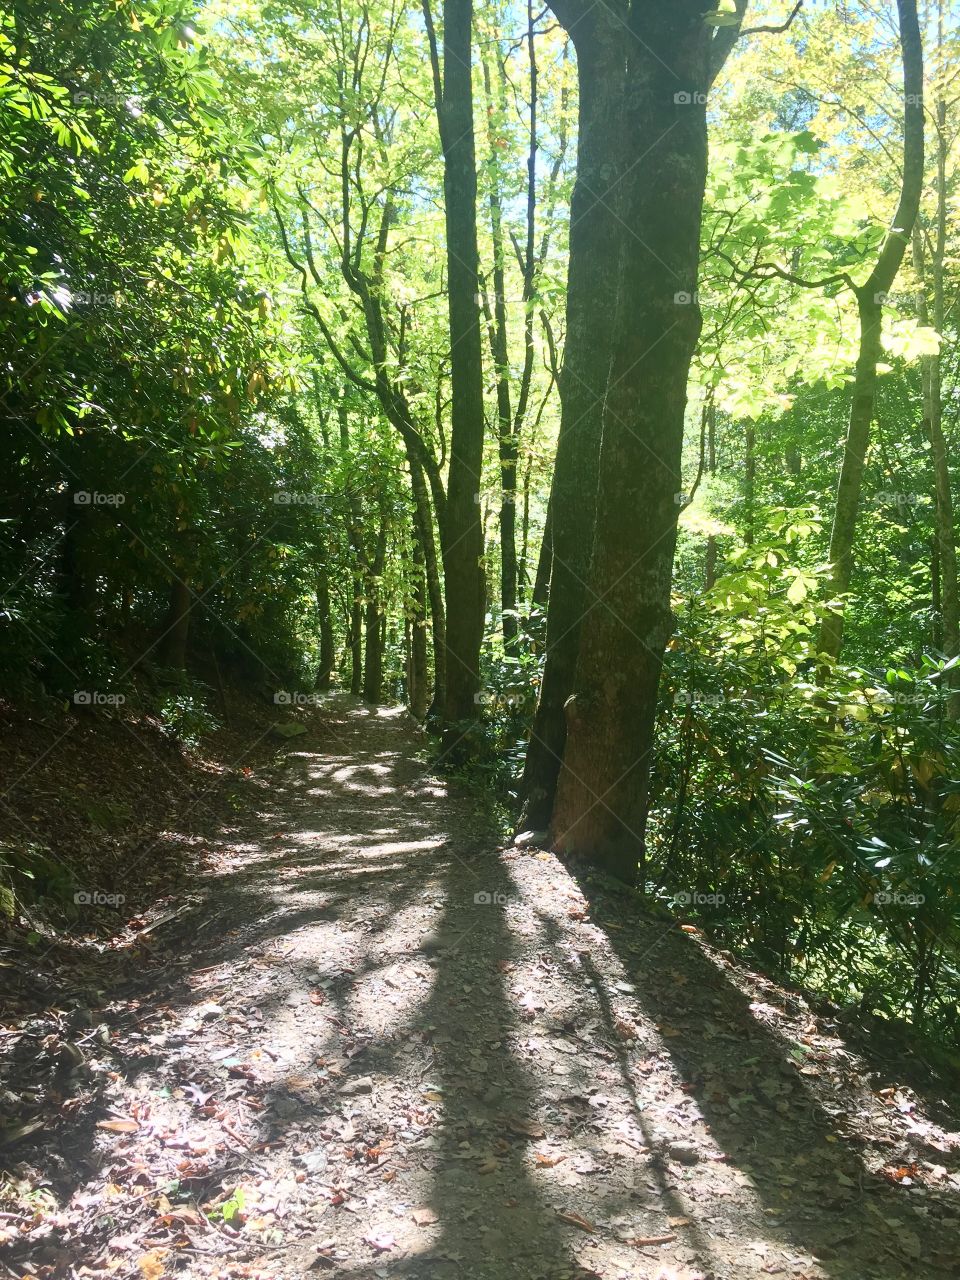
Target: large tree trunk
592,284
601,800
463,541
869,303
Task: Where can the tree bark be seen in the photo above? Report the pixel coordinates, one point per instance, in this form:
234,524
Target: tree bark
373,630
417,666
328,652
601,800
592,286
541,583
427,549
870,308
710,559
176,627
931,376
499,349
462,544
356,638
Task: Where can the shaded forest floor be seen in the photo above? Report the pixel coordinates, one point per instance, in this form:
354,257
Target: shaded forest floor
366,1041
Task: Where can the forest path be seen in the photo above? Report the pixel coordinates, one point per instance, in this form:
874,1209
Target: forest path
406,1081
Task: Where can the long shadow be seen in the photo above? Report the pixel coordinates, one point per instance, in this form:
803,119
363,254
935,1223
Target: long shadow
768,1105
373,853
359,837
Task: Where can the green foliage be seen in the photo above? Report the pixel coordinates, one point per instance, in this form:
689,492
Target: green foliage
813,823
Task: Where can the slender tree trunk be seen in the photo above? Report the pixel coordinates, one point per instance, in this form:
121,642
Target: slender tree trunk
541,583
356,638
426,548
375,614
592,286
172,650
418,675
497,327
931,375
710,560
463,541
601,800
328,652
870,307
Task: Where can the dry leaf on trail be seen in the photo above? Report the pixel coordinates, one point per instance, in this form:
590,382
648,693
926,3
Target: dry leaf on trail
575,1220
425,1217
152,1265
640,1241
382,1241
529,1004
525,1128
547,1161
488,1166
118,1126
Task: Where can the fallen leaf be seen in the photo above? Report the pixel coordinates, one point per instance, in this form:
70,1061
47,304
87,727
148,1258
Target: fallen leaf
152,1265
382,1241
424,1217
118,1126
528,1128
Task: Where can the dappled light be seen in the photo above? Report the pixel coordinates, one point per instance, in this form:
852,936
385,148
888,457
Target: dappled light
479,640
395,1055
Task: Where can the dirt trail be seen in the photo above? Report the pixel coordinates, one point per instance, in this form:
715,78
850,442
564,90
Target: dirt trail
418,1055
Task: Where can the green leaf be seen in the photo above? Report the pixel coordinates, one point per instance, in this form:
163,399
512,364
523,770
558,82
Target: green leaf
797,590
